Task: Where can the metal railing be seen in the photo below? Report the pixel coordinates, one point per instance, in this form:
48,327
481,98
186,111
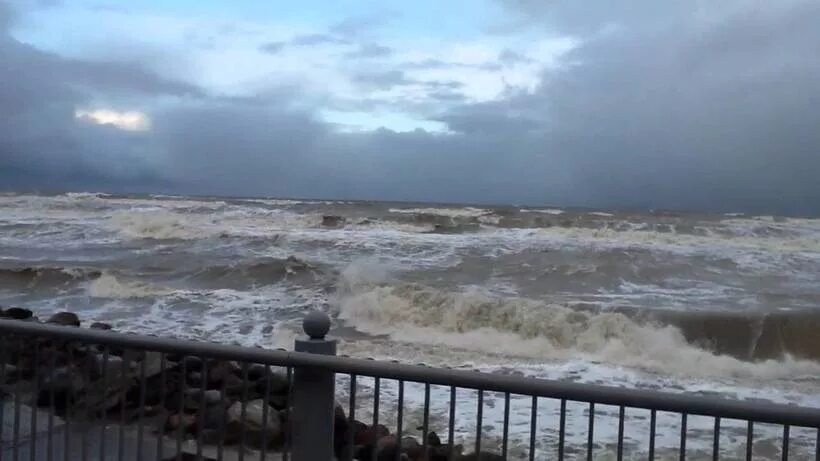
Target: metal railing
71,393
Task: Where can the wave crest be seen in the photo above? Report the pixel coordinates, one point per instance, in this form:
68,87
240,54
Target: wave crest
475,320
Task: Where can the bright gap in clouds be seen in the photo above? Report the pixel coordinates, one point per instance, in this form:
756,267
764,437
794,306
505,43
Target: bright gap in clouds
124,120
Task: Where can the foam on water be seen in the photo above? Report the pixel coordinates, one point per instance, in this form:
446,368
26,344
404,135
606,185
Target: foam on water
466,212
476,320
109,286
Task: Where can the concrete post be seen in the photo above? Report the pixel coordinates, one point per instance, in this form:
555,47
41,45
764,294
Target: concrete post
314,395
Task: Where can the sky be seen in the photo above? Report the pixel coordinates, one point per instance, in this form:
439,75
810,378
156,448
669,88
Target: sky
695,105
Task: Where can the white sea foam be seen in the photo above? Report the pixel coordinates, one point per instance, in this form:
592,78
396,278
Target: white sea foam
466,212
109,286
550,211
475,320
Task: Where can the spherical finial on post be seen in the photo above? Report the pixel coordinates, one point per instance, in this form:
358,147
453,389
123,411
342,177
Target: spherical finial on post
316,325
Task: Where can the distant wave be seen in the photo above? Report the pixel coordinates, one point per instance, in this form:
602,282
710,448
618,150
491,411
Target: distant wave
466,212
39,276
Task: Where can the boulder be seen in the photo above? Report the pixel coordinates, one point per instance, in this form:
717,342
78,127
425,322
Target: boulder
332,221
259,430
68,319
100,326
17,313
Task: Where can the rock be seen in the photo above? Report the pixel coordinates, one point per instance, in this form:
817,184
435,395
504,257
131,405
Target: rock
100,326
370,435
259,431
68,319
153,363
215,416
63,384
409,449
194,398
222,371
17,313
257,372
332,221
178,421
192,363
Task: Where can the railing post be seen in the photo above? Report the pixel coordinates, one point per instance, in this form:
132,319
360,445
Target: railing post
314,395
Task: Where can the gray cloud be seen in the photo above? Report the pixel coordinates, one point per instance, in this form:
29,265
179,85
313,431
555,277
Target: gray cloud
370,50
693,106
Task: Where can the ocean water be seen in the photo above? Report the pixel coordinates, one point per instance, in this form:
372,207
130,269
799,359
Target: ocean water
726,304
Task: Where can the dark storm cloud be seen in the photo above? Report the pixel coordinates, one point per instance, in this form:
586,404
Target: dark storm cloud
709,107
713,110
39,135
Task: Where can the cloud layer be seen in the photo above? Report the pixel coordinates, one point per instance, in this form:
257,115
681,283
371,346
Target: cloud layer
696,106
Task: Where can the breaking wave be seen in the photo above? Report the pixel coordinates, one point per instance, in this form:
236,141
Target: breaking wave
476,320
30,277
256,273
109,286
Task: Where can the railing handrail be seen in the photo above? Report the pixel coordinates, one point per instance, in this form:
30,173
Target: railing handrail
764,412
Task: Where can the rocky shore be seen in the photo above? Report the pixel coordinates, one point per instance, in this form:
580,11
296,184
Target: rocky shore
216,402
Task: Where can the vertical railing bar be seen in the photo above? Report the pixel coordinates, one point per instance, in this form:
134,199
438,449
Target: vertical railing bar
682,456
376,392
243,411
51,395
220,442
533,421
716,441
203,387
86,369
17,403
590,430
141,409
785,442
621,416
425,422
286,453
163,399
68,407
817,445
399,421
3,381
750,428
121,437
181,407
506,431
562,423
653,416
451,425
479,421
351,415
265,401
104,395
35,391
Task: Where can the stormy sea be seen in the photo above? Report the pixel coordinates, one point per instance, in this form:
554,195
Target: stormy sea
679,302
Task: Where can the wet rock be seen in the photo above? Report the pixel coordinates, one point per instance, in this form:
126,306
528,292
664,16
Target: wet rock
17,313
68,319
260,429
222,371
59,387
100,326
276,383
179,421
332,221
257,371
388,447
192,364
